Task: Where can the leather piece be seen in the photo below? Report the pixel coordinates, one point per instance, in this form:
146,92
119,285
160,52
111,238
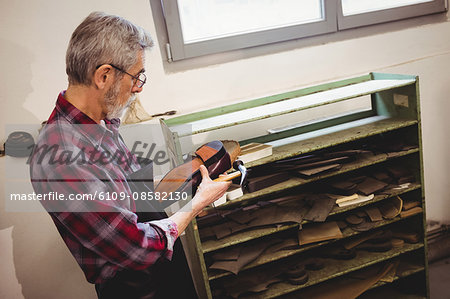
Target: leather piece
409,237
295,271
287,244
321,209
383,176
231,254
317,232
271,215
411,212
364,226
391,208
406,179
397,243
410,204
370,186
247,254
222,165
318,170
342,224
391,274
349,244
338,253
346,287
314,264
354,219
242,217
320,163
211,152
346,153
347,187
254,282
278,215
398,171
299,280
311,162
258,183
374,213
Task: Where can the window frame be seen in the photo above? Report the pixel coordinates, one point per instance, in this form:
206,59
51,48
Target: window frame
333,21
388,15
180,50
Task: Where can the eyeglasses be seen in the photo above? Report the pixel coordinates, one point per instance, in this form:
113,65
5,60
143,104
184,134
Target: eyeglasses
139,79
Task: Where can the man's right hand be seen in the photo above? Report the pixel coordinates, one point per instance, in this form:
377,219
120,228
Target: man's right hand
208,191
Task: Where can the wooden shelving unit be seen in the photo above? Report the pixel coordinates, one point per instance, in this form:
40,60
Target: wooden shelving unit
394,108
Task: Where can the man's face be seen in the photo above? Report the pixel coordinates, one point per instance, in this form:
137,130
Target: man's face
123,92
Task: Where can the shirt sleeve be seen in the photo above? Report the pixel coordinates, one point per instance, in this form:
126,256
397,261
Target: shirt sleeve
108,227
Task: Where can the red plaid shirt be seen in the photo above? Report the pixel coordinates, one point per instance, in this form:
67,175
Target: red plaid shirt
108,238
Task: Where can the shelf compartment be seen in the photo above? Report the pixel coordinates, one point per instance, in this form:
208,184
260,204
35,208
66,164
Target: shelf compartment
335,135
213,245
415,270
335,268
268,258
403,275
289,105
296,181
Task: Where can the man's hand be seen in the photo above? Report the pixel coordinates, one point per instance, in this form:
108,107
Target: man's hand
208,192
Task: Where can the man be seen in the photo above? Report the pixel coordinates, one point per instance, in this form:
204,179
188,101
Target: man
117,252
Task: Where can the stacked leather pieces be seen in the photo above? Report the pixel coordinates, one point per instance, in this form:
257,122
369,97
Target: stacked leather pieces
297,274
401,174
234,259
225,222
411,208
391,208
347,287
339,253
321,206
380,243
406,235
255,183
328,161
359,184
250,283
257,216
360,221
366,219
317,232
309,165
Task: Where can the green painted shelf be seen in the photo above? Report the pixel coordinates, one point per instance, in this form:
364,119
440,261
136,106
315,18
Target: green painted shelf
394,109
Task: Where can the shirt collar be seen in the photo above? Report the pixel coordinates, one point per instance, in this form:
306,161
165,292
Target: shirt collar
93,131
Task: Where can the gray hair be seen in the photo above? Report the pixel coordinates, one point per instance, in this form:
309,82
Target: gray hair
103,39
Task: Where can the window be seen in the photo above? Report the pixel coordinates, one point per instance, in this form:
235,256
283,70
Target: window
355,13
200,27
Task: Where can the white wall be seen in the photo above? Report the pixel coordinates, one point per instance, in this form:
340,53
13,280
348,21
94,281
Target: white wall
33,39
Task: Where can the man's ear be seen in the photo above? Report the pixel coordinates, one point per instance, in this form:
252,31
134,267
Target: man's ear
103,76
